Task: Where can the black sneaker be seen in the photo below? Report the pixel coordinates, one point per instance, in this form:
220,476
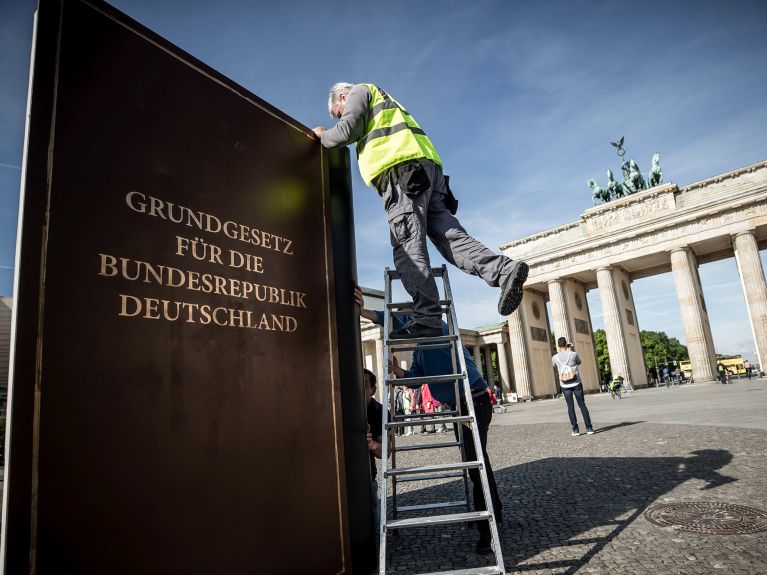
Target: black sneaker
589,431
412,329
511,291
575,432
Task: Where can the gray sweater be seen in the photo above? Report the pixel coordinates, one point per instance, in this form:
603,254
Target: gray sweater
351,126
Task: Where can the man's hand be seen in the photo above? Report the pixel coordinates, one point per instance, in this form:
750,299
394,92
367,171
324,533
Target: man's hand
318,130
360,301
395,369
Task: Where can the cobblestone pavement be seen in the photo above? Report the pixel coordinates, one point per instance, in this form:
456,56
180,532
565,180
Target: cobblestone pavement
576,504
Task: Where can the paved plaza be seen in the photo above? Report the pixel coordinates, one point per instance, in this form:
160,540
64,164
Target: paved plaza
576,504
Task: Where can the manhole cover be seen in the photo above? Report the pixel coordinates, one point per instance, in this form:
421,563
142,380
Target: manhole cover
709,517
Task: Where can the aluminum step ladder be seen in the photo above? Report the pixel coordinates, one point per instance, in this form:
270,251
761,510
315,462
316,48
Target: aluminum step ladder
390,515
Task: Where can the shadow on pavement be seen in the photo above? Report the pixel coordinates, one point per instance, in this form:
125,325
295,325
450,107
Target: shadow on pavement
552,503
615,426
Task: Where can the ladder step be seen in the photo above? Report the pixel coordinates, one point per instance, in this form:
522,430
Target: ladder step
492,570
413,342
428,421
394,274
429,468
428,476
401,416
418,446
425,506
408,305
418,381
421,347
438,519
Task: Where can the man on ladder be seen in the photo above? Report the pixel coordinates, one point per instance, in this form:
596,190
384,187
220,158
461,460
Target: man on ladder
436,362
396,156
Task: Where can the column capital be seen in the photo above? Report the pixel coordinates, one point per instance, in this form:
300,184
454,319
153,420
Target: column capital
556,281
685,249
604,269
751,232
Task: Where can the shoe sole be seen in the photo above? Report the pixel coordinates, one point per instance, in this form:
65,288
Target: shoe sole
512,292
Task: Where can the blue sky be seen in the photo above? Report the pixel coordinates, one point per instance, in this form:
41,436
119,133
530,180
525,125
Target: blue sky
521,98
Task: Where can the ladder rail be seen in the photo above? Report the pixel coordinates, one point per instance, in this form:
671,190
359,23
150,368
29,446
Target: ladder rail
452,316
382,518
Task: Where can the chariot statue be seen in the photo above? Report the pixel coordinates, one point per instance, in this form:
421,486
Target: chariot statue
633,180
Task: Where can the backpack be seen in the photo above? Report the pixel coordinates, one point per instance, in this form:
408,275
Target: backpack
566,372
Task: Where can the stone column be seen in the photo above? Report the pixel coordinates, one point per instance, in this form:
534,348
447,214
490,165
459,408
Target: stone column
616,338
560,316
754,288
477,353
503,368
489,366
692,308
519,357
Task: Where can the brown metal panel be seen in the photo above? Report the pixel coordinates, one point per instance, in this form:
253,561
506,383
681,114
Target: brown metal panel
189,417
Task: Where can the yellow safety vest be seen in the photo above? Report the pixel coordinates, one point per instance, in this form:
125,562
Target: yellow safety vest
391,136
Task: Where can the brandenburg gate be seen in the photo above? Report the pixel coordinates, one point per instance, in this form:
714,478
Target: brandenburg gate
665,228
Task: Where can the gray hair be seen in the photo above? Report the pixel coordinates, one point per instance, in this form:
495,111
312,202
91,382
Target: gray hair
337,89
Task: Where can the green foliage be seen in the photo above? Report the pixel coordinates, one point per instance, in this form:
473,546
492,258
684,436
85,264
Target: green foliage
603,356
657,347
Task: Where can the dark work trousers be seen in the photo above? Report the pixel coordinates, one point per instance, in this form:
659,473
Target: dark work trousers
484,413
577,391
414,199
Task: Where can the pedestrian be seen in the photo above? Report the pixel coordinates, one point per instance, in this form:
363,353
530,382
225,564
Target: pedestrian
418,406
606,381
398,159
374,435
435,362
747,367
567,361
428,406
399,408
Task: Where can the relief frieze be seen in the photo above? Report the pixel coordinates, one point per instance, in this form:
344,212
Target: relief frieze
589,257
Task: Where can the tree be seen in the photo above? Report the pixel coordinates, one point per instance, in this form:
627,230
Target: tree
657,347
603,355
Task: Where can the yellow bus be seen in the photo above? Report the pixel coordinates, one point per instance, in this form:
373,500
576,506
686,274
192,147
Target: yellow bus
735,364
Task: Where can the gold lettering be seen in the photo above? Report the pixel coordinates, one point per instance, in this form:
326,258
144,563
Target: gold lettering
152,308
124,299
109,262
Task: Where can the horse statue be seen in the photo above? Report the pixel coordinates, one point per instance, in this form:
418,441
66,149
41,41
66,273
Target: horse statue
598,193
655,176
615,189
633,181
636,176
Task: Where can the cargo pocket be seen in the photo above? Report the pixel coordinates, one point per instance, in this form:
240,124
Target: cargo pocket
412,178
401,224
